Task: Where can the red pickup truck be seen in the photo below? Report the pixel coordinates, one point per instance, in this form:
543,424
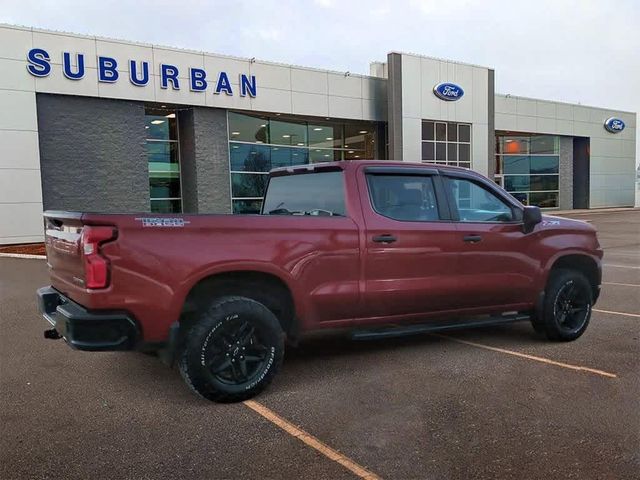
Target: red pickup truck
383,248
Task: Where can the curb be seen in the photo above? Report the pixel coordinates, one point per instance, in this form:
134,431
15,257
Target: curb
22,255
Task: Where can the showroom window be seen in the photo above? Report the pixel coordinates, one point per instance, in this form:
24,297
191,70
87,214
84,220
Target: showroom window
163,157
446,143
259,143
527,166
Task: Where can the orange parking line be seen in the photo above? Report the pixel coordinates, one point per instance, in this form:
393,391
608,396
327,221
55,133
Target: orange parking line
617,313
311,441
529,357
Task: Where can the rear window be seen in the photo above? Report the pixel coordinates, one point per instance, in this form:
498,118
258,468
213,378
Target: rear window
316,194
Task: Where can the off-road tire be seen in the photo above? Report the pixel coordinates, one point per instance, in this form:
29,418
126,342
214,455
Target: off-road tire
209,339
568,296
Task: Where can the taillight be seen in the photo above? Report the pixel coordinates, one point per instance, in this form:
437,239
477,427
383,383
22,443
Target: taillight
96,267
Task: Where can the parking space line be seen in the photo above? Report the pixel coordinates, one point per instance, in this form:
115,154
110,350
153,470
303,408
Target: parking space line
619,266
529,357
617,313
311,441
621,284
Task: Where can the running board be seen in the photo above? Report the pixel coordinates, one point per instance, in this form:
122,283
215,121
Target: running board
406,330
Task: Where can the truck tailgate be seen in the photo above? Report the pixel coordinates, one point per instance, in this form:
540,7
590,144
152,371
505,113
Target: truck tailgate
62,240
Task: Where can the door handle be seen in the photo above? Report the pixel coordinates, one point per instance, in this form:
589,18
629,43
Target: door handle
387,238
472,238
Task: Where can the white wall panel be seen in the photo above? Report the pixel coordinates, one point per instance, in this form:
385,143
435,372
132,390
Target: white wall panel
309,81
56,82
181,59
412,139
345,107
15,43
272,76
123,52
19,149
344,86
18,110
57,43
15,76
271,100
21,222
20,185
309,104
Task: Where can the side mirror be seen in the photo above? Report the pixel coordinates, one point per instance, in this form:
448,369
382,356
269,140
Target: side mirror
531,216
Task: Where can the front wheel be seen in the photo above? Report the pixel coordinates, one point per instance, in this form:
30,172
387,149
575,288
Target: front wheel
567,306
233,351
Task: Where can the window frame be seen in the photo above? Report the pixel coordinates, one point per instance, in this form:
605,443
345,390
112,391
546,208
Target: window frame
442,202
512,203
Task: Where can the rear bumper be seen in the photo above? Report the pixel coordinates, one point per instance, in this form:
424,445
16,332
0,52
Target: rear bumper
85,330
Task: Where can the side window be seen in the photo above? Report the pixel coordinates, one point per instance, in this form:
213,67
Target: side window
475,203
408,198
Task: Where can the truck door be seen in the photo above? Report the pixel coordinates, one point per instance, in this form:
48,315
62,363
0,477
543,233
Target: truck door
409,252
495,268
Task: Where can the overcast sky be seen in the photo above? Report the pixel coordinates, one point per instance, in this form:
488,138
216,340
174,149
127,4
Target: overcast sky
585,51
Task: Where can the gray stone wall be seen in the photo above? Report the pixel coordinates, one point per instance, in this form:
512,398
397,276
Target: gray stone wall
204,160
566,173
92,154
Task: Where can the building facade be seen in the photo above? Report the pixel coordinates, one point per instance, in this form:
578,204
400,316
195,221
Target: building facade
96,124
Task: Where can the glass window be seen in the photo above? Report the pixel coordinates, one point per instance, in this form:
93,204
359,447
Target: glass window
163,159
287,157
160,125
545,164
252,185
288,133
247,128
317,155
313,193
514,145
475,203
441,151
516,165
528,164
452,132
546,144
408,198
441,131
247,206
245,157
464,152
427,131
544,199
327,135
428,152
464,133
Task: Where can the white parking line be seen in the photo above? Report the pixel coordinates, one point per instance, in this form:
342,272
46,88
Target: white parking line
617,313
621,284
619,266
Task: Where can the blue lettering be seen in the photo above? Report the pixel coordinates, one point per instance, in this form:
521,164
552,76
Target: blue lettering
66,66
133,73
223,84
169,72
39,65
197,77
107,69
247,85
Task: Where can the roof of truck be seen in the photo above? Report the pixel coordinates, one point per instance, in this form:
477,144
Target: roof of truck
348,164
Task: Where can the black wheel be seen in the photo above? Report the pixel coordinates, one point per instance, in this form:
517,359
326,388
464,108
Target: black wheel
233,351
567,306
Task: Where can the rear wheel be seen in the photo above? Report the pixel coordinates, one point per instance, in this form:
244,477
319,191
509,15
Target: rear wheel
233,351
567,306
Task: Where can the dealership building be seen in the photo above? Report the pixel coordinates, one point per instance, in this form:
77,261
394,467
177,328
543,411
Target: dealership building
96,124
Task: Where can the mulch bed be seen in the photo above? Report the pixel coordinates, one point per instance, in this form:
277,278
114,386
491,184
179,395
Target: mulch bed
27,248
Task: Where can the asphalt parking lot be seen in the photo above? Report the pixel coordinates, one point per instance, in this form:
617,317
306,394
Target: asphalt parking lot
486,403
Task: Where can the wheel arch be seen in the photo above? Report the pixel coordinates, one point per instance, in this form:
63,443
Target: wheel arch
582,263
263,287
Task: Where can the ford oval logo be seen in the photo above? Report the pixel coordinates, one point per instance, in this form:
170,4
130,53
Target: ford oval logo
614,125
448,91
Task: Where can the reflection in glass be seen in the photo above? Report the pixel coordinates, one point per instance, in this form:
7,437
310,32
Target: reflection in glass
288,133
247,128
248,184
247,206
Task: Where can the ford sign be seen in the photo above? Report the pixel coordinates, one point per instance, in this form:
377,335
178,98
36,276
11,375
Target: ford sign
448,91
614,125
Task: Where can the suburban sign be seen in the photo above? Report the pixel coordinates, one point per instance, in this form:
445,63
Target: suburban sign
109,71
448,91
614,125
